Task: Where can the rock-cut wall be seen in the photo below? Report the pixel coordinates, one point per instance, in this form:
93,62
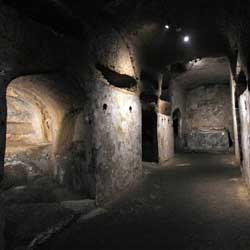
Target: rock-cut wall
117,140
208,121
244,106
102,154
165,137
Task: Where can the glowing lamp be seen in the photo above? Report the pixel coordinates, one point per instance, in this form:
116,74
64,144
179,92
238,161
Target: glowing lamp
186,39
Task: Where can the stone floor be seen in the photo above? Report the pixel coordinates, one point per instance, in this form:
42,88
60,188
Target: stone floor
197,201
37,207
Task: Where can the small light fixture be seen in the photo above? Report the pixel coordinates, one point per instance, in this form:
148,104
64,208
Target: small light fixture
186,39
167,27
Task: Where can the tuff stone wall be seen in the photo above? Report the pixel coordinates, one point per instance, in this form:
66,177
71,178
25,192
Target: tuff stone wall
36,105
208,118
165,137
104,75
236,127
75,155
244,106
26,47
117,140
75,162
28,119
102,154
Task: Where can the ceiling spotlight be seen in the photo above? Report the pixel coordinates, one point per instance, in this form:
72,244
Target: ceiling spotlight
167,27
186,39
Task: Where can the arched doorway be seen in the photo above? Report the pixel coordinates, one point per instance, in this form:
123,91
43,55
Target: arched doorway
33,121
46,133
29,136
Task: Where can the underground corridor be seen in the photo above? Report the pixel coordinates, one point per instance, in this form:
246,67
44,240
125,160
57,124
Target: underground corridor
124,124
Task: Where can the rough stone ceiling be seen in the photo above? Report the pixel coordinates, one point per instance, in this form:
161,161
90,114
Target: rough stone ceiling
197,18
63,15
204,71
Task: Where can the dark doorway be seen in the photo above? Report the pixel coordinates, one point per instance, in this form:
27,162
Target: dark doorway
176,127
149,135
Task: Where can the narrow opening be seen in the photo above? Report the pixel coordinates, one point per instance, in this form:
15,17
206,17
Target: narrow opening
149,135
176,127
105,106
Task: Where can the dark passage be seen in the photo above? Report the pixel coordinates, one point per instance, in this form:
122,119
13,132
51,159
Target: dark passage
196,202
176,126
149,136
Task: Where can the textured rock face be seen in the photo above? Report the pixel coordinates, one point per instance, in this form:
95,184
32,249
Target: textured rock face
28,149
100,148
117,141
27,119
210,140
33,121
165,137
104,157
24,52
208,118
244,106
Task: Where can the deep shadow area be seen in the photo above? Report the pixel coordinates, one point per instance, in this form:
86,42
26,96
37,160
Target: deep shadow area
116,79
149,136
197,201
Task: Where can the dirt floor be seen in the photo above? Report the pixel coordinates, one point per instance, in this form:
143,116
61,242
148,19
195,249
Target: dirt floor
197,201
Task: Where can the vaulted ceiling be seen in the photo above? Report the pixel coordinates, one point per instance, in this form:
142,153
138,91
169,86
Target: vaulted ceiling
143,20
204,71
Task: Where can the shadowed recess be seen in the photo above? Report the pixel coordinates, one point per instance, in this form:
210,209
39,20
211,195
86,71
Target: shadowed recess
116,79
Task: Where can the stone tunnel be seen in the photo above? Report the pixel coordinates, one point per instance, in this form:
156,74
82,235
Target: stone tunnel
124,117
